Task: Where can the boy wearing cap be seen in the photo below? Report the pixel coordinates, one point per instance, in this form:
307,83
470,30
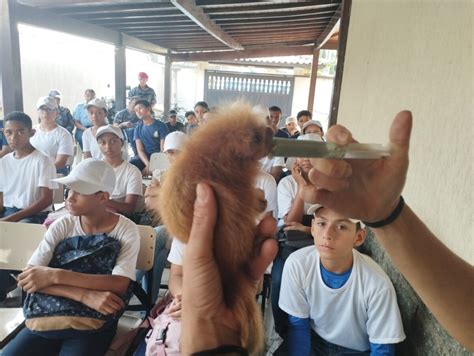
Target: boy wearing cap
77,279
292,127
25,187
97,111
126,119
173,123
50,139
339,301
64,118
313,127
143,91
128,184
149,136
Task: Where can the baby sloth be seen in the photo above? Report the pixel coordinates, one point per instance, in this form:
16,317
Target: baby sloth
224,153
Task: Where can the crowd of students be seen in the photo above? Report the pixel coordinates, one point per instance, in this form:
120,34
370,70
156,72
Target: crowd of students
327,298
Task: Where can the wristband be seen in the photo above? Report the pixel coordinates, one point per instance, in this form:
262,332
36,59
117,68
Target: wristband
391,218
223,350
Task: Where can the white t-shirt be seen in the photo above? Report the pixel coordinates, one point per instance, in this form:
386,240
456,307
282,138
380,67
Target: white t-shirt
53,143
128,180
287,190
21,179
363,310
68,226
176,252
267,183
268,163
89,144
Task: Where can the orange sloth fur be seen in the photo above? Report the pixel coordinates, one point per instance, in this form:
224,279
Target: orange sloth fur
224,153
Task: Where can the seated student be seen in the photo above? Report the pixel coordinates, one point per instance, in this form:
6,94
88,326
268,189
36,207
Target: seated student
81,118
50,139
191,122
292,215
97,111
273,165
25,187
126,119
291,127
313,127
200,108
4,148
64,118
172,147
149,136
303,116
338,300
78,278
274,117
128,184
173,124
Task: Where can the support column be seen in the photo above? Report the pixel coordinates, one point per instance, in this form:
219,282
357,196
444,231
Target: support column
120,76
312,81
10,64
167,89
341,53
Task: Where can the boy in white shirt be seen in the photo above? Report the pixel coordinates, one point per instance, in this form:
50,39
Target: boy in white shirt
339,301
50,139
78,278
129,185
26,190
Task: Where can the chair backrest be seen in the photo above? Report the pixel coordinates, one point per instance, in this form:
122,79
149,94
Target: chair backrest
18,241
58,194
146,254
159,160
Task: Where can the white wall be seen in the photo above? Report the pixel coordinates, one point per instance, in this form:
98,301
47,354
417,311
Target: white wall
52,60
417,55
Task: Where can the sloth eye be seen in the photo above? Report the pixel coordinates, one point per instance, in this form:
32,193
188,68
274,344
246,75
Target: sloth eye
257,138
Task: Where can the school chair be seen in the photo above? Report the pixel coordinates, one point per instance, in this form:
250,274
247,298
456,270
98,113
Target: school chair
129,323
18,241
160,161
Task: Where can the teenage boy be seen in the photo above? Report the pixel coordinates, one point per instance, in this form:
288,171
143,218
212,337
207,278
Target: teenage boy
173,123
339,301
81,118
149,136
126,119
77,279
52,140
25,188
64,118
274,118
128,184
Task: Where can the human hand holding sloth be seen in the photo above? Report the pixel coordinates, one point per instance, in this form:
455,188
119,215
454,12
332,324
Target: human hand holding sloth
224,154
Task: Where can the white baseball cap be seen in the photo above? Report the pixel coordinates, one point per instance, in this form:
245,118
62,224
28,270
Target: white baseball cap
311,122
89,177
315,207
98,103
47,101
290,119
109,129
174,141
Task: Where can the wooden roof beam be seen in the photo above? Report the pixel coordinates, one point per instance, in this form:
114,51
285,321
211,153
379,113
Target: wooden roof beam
190,9
248,53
